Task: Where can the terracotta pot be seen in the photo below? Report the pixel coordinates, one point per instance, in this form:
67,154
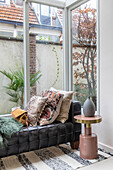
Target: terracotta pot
89,108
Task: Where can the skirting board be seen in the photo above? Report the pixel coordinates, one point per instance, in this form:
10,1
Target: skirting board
105,147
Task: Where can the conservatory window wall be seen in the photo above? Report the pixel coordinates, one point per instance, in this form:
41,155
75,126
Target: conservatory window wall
68,50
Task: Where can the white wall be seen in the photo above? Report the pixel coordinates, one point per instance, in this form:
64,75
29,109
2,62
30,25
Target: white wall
105,129
47,64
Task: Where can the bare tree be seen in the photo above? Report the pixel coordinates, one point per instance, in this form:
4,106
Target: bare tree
84,39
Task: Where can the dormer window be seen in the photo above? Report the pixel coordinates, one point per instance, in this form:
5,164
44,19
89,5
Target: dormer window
45,15
45,10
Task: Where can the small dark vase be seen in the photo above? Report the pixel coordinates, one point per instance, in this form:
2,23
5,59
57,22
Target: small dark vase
89,108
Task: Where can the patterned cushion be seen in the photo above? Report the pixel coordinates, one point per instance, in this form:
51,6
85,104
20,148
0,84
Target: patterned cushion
64,111
34,109
52,108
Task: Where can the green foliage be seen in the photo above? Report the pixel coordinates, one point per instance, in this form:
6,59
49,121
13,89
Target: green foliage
15,89
58,68
40,38
82,92
35,77
48,38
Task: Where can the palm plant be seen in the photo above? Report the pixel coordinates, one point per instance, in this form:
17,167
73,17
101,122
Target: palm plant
15,89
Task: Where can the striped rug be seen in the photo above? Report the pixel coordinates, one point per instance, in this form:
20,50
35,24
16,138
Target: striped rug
60,157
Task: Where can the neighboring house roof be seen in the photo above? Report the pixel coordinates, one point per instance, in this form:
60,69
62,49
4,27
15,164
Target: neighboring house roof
14,13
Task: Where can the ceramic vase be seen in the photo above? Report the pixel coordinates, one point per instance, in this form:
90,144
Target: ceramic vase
89,108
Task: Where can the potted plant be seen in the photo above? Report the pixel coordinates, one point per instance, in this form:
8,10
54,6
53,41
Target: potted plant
15,89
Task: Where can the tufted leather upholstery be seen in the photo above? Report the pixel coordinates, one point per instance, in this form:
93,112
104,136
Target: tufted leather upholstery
33,138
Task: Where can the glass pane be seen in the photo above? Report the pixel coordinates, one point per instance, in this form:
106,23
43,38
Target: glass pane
84,38
46,53
11,57
45,10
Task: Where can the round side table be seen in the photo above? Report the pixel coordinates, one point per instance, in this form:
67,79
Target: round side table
88,140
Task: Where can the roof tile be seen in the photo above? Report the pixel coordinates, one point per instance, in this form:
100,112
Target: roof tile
13,13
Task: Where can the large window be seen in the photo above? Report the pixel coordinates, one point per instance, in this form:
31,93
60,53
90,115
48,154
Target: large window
84,56
11,56
46,52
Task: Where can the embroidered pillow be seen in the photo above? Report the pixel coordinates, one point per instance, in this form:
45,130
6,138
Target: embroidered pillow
64,110
52,108
34,109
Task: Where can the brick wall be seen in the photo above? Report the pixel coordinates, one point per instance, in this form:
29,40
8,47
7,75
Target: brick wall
32,55
32,52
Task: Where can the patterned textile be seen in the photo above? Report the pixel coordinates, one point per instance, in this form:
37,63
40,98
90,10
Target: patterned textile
52,108
34,108
61,157
64,111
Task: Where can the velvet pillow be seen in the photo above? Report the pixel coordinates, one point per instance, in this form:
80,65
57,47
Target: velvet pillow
52,108
64,111
34,108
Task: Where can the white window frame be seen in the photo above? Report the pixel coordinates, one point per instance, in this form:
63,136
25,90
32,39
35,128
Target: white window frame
67,44
58,4
72,6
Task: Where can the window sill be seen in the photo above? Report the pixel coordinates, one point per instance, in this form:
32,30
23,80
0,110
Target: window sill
5,115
